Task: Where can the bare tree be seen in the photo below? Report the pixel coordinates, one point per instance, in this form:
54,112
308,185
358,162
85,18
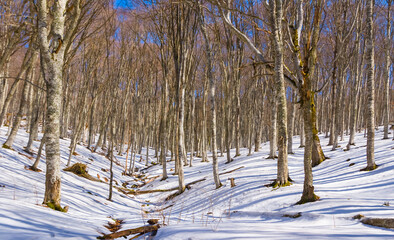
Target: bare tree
370,54
53,40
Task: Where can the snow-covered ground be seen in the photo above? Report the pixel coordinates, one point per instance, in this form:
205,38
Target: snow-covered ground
247,211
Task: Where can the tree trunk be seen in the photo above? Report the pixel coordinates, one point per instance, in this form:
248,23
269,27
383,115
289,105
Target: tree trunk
291,118
370,87
3,86
282,168
38,99
22,105
27,63
355,91
53,53
273,132
386,102
208,52
307,105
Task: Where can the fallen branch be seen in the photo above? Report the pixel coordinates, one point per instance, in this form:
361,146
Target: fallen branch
188,186
231,170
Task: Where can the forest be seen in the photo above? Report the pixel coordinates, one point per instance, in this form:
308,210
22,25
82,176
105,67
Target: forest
165,88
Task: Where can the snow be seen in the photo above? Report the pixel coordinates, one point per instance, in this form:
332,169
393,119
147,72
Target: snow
247,211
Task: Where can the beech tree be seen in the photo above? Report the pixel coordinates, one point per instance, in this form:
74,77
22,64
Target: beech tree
370,54
194,78
53,40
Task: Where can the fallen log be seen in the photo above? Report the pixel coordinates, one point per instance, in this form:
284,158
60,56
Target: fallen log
231,170
125,233
139,192
379,222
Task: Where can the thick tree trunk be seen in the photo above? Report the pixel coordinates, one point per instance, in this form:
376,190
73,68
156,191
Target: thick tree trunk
317,151
52,127
53,53
307,112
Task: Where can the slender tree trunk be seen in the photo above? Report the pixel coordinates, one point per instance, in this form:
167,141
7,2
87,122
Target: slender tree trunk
111,157
338,114
34,167
22,105
27,63
387,73
291,118
334,91
192,116
181,134
164,128
38,97
208,52
355,91
3,85
370,87
273,129
302,131
282,169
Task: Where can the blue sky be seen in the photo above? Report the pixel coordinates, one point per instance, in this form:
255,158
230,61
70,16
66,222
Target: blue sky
123,3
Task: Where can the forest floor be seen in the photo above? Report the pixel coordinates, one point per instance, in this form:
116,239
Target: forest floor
250,210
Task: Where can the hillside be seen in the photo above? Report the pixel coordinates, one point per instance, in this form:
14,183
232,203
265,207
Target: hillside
247,211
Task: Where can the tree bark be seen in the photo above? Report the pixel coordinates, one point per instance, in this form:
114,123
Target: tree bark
386,102
370,87
282,168
208,52
22,104
53,53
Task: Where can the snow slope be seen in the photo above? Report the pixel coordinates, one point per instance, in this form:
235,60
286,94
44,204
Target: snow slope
248,211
